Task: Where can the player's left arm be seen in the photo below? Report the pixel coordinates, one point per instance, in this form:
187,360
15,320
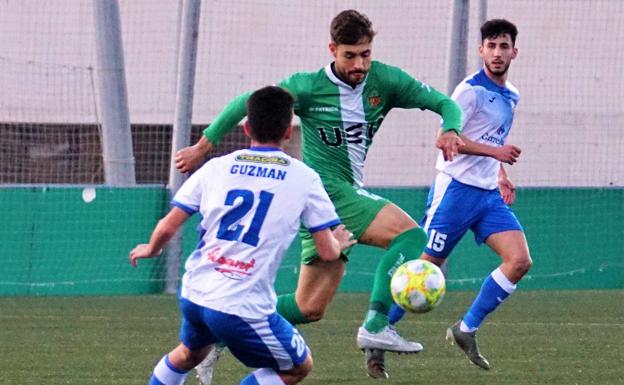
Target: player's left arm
506,186
329,243
412,93
165,229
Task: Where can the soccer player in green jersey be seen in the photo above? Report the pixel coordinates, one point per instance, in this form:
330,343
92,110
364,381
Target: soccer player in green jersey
341,108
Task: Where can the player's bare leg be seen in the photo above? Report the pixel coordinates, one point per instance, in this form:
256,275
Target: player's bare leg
512,247
391,228
317,286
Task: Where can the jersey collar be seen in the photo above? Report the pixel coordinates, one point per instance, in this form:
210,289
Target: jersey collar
258,148
329,71
481,79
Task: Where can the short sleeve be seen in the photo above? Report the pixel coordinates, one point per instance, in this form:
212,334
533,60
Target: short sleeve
319,212
188,197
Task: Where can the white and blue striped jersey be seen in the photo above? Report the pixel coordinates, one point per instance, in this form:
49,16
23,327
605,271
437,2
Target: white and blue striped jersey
252,203
488,115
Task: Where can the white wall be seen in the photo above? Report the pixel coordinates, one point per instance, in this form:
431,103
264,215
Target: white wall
569,121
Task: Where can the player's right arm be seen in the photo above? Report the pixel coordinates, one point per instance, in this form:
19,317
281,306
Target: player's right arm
186,203
466,97
507,154
189,158
165,229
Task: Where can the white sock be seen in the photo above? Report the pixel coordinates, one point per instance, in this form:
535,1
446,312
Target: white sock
264,376
465,328
168,374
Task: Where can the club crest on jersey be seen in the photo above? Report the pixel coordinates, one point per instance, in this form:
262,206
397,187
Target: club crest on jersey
374,100
262,159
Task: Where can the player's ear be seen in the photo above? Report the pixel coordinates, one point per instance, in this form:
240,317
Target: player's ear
514,52
289,132
247,129
333,48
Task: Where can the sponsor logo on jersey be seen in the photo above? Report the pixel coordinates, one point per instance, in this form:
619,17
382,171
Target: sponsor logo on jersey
493,139
323,109
355,133
262,159
230,267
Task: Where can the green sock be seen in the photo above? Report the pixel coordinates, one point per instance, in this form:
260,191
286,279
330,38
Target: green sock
287,308
405,247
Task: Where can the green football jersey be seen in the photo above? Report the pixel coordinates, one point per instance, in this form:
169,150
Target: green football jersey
339,121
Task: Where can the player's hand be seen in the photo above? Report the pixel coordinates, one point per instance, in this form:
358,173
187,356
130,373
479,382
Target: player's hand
507,190
344,237
507,154
143,250
190,158
449,142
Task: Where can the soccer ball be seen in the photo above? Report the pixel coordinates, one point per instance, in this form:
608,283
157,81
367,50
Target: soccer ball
418,286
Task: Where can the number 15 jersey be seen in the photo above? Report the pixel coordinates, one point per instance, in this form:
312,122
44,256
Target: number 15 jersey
252,203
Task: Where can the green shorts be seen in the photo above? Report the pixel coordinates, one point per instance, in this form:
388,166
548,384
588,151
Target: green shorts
356,208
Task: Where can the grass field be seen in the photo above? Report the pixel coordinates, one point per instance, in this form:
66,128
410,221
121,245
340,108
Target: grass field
549,337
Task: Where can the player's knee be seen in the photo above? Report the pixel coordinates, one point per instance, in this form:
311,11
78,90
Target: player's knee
313,312
522,264
306,366
185,359
299,372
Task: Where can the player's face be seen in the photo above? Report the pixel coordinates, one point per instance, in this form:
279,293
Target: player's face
352,61
497,54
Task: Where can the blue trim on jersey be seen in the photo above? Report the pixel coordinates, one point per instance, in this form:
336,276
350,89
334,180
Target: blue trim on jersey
324,226
481,79
200,233
257,148
187,209
170,366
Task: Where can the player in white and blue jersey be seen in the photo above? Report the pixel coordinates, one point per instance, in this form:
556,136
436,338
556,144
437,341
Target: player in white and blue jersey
473,192
251,203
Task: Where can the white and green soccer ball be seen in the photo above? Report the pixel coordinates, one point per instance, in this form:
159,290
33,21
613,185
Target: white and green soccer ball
418,286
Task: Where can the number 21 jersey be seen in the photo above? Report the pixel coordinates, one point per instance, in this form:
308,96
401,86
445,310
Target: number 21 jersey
252,203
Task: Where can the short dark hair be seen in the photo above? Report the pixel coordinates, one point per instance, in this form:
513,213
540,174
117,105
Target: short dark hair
498,27
351,27
269,113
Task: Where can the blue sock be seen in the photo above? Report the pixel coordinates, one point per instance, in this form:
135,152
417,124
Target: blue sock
265,376
395,314
495,289
167,374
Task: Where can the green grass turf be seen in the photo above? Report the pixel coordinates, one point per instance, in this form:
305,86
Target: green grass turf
549,337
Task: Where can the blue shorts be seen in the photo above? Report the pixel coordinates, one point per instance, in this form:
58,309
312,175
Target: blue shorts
454,207
269,342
